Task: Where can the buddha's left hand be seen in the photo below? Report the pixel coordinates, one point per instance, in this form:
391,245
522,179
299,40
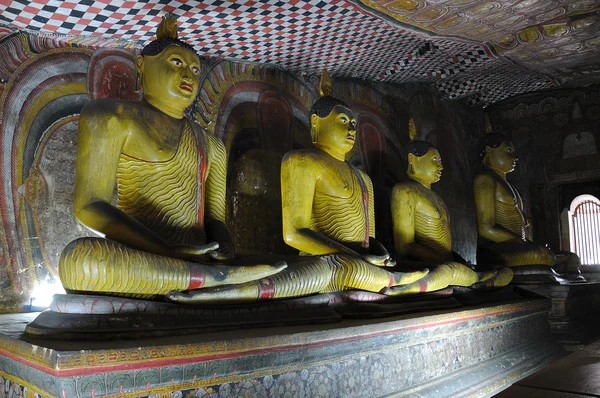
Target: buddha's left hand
224,252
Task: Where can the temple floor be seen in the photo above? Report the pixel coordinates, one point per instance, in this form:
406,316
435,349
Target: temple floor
474,350
577,375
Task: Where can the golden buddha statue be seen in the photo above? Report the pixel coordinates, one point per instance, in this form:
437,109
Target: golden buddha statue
170,179
504,236
422,226
328,215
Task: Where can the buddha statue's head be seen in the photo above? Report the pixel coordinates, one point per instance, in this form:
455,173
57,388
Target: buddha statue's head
498,153
168,71
424,163
333,126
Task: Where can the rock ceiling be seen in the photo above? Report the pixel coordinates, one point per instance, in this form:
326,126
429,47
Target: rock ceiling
479,51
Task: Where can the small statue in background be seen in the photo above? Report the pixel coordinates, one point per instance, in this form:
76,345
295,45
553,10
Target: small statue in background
503,228
422,226
328,213
170,178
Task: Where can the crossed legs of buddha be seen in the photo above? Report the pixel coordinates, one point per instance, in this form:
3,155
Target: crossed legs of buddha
322,274
96,265
512,254
527,258
304,276
454,274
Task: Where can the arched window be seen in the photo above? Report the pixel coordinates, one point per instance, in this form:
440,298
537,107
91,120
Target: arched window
584,227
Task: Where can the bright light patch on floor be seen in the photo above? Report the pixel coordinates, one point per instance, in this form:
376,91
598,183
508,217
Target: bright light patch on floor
42,294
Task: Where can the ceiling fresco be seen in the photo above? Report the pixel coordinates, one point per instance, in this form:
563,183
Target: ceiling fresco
479,51
560,38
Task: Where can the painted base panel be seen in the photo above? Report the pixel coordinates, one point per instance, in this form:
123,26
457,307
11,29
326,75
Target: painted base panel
457,352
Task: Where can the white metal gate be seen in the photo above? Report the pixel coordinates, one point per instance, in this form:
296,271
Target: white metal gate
585,228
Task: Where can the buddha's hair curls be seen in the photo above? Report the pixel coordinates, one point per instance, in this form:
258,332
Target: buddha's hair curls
418,148
324,105
157,46
492,140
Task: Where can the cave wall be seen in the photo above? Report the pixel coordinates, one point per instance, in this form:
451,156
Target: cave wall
258,111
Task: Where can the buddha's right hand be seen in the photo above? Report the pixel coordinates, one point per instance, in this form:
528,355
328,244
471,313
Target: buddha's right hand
190,252
379,261
378,255
225,252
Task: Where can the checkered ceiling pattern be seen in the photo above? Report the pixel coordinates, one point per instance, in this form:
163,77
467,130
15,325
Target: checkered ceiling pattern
298,35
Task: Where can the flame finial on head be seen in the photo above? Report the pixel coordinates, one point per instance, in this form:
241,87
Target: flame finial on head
167,28
415,146
325,85
412,129
488,124
323,106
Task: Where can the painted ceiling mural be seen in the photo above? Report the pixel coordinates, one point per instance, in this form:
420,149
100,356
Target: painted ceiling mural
560,38
479,51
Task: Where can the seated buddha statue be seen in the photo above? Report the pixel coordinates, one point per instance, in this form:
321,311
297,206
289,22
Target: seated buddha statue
422,227
328,215
170,182
501,221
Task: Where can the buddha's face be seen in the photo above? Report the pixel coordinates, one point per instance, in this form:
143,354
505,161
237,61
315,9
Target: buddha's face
427,168
171,77
337,131
502,158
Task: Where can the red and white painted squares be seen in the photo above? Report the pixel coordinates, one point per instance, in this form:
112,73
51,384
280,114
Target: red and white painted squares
299,35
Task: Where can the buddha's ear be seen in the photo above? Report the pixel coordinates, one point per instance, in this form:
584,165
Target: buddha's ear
139,67
411,158
139,63
486,158
314,131
313,121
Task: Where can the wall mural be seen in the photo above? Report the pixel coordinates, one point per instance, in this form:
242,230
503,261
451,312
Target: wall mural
259,112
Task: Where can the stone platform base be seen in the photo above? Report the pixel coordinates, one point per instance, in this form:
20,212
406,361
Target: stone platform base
84,317
454,352
573,316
